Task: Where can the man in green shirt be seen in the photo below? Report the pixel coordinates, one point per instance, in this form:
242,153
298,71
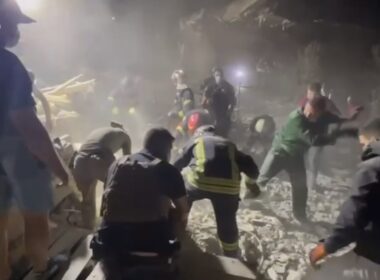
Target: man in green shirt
289,148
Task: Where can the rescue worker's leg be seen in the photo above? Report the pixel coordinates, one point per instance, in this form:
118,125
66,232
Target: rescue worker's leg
193,194
225,209
112,268
5,204
32,190
272,165
314,159
347,267
5,271
222,124
297,175
86,182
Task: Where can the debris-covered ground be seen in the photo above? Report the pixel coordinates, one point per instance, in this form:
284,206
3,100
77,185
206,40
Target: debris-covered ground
272,243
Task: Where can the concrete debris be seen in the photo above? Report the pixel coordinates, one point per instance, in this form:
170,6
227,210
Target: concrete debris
272,243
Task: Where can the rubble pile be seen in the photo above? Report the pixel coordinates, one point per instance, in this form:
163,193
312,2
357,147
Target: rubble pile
273,244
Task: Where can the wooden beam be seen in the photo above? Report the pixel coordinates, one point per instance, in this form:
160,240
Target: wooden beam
79,260
96,274
64,245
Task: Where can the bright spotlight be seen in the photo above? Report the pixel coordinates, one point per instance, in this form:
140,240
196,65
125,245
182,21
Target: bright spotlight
29,6
240,74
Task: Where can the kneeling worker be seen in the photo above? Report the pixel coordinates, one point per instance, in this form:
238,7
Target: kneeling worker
215,166
138,195
91,164
358,222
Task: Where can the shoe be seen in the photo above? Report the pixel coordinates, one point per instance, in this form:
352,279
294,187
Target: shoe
54,266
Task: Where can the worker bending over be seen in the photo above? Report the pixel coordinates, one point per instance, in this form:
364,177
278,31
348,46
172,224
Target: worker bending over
91,164
358,222
215,165
139,192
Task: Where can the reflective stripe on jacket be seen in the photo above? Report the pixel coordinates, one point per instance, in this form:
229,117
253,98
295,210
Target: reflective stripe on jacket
215,165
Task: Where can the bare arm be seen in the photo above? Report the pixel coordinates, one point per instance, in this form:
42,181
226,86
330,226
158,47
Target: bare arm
37,140
46,107
181,214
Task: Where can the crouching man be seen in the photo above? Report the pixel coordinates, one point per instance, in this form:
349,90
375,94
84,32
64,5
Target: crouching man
91,164
214,171
359,221
139,192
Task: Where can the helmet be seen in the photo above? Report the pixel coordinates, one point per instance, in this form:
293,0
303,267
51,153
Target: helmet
205,129
178,74
193,122
11,12
217,69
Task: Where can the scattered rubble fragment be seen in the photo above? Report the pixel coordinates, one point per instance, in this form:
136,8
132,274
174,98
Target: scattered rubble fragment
272,243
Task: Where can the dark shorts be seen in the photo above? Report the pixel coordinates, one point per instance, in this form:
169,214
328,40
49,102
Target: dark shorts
23,179
119,239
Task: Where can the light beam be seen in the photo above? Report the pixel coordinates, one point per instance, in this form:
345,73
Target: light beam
29,6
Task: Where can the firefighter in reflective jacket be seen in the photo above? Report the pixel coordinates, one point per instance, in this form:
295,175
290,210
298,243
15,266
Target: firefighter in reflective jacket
184,99
214,173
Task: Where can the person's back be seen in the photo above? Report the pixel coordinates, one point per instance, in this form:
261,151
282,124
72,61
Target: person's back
216,155
134,193
358,221
107,139
368,176
136,202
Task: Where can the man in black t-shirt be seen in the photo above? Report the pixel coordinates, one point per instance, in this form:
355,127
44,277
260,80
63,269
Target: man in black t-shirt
136,203
220,100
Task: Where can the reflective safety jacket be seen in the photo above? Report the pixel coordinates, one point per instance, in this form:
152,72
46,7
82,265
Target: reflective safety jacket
215,165
184,101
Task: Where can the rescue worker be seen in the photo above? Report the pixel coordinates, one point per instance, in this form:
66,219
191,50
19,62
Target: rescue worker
126,102
314,89
27,155
332,116
184,98
220,100
191,122
137,199
214,173
358,222
289,148
261,134
91,164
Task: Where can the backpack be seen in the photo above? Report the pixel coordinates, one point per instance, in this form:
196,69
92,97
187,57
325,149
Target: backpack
132,192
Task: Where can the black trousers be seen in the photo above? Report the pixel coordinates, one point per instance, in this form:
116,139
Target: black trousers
225,209
223,125
114,242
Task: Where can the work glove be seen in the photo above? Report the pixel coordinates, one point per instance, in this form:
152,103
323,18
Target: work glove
317,254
